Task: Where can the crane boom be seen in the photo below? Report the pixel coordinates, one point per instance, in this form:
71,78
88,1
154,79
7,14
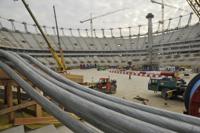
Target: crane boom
61,66
102,15
156,2
105,14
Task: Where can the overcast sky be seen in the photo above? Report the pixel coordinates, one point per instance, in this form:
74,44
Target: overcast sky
70,12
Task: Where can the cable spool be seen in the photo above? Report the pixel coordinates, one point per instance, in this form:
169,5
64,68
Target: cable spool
192,97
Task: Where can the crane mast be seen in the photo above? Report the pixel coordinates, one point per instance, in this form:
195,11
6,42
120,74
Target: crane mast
59,43
163,11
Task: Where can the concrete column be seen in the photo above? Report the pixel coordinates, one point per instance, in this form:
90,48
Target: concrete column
179,22
129,30
103,33
70,30
45,29
150,16
86,30
190,19
12,24
169,24
95,35
25,27
120,32
139,27
63,32
111,32
79,33
54,31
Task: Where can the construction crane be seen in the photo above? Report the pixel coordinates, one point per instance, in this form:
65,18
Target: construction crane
195,5
61,65
99,16
59,43
163,6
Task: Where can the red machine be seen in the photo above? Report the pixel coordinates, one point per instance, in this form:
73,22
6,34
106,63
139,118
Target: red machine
192,97
166,73
106,85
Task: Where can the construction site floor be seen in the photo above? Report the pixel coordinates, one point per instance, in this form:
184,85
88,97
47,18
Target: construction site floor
135,87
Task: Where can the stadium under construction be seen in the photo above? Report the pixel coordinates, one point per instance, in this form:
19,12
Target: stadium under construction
132,79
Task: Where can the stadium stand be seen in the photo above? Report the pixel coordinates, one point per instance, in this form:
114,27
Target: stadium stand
178,46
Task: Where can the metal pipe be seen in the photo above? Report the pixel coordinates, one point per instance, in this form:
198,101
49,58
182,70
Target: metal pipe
154,119
161,112
50,107
105,119
137,114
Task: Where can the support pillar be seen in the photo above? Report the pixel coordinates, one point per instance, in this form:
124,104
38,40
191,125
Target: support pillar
5,94
120,32
9,97
129,31
86,30
79,33
95,35
190,19
18,95
150,38
103,33
25,27
111,32
12,24
63,33
38,108
169,24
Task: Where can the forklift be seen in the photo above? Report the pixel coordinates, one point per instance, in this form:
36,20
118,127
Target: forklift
105,85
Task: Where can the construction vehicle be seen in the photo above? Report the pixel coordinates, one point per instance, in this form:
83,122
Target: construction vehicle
101,68
105,85
59,59
169,87
192,97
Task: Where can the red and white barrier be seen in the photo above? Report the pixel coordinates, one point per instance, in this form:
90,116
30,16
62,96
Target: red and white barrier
151,74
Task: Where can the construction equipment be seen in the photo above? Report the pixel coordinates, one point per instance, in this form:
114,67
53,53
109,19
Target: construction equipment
163,13
59,44
99,16
105,85
192,97
61,66
101,68
59,60
169,87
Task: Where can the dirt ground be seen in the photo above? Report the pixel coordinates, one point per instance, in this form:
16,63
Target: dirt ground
130,88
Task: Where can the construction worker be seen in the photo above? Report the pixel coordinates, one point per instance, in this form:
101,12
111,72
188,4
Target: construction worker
129,76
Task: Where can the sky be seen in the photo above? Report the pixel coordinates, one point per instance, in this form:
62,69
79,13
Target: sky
71,12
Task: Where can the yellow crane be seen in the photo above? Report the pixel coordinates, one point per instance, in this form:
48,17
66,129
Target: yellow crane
59,60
